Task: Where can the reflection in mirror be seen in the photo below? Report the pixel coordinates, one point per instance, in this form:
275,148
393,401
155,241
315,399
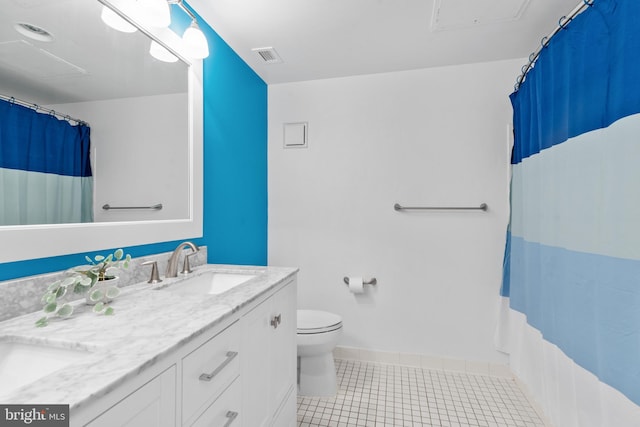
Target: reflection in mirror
65,59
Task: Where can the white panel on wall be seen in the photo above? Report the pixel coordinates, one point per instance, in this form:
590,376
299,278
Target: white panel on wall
422,137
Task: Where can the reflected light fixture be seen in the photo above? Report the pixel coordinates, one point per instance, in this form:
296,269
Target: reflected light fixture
116,21
155,13
161,53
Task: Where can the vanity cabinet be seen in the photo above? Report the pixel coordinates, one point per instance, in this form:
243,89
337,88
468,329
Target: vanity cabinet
269,361
207,372
240,373
153,404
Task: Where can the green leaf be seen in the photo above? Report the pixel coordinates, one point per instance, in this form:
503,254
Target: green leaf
108,259
48,297
112,292
54,286
84,281
98,258
43,321
61,292
69,281
96,295
50,308
109,311
89,260
118,254
65,311
98,307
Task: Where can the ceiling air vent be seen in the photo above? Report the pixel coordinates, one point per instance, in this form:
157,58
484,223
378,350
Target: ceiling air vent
268,55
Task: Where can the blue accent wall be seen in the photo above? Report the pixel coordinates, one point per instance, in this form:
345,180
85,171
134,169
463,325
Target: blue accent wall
235,169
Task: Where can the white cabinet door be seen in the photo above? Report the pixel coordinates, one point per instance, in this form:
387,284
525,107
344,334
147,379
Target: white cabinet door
254,372
153,404
283,346
268,366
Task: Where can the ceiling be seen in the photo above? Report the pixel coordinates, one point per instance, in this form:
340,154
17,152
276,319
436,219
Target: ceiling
85,61
319,39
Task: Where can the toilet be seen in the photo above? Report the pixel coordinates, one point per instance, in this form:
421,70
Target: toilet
318,334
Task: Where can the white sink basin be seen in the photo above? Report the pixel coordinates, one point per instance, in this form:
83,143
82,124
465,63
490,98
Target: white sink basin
210,283
22,364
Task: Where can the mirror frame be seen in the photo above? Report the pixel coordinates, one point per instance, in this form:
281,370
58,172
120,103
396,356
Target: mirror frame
46,240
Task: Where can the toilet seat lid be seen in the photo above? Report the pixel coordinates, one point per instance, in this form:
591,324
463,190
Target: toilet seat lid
314,321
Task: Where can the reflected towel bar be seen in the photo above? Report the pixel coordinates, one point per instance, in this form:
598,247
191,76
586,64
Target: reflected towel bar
482,207
154,207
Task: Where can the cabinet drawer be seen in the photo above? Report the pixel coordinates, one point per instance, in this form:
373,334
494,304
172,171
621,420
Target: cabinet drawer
208,371
225,411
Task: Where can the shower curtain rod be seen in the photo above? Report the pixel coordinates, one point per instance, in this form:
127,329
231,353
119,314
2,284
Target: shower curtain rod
36,107
562,23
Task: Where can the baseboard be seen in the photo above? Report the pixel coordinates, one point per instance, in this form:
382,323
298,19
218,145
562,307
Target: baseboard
423,361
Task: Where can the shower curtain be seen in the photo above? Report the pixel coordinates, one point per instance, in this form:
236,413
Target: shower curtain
45,170
570,314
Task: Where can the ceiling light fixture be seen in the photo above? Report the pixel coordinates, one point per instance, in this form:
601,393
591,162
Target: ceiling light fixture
195,41
156,13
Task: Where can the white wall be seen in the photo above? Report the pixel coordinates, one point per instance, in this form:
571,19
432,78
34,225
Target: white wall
140,155
424,137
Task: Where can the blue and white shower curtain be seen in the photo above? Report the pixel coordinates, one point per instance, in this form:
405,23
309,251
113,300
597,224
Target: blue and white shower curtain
570,315
45,168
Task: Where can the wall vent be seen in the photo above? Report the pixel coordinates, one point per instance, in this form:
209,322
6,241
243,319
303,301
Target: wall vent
268,55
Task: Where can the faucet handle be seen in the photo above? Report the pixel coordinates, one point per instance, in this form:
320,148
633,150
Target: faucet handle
186,268
155,277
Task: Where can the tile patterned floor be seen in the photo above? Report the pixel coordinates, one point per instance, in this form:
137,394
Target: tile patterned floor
373,395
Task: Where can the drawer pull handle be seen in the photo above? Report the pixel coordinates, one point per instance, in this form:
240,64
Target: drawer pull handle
276,320
232,417
230,356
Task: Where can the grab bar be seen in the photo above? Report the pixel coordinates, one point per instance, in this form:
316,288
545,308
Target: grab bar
482,207
157,207
372,281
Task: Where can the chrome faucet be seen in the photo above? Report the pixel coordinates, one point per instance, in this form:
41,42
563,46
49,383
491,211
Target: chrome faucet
172,265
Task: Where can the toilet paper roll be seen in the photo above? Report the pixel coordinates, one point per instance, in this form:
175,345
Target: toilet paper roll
356,285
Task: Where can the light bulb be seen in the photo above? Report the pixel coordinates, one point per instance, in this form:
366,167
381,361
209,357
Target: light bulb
115,21
155,13
195,42
160,53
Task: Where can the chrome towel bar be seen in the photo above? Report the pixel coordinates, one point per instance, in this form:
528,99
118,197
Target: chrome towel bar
372,281
482,207
157,207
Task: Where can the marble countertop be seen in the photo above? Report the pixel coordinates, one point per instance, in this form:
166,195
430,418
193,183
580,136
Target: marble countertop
148,324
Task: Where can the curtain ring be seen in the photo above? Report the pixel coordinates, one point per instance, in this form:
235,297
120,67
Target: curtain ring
544,41
52,113
532,57
560,22
589,3
12,101
36,107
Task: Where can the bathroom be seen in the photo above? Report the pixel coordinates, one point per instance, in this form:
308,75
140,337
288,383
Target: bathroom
438,135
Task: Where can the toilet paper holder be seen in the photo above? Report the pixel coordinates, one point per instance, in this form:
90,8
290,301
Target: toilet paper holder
372,281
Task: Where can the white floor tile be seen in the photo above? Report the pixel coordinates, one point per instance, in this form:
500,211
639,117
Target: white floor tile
374,394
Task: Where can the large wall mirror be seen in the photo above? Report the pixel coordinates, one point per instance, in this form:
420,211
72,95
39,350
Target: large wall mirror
144,115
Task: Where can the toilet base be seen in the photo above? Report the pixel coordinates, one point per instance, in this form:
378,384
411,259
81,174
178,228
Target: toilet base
317,376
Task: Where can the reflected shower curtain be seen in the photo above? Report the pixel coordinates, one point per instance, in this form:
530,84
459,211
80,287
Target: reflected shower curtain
570,315
45,169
